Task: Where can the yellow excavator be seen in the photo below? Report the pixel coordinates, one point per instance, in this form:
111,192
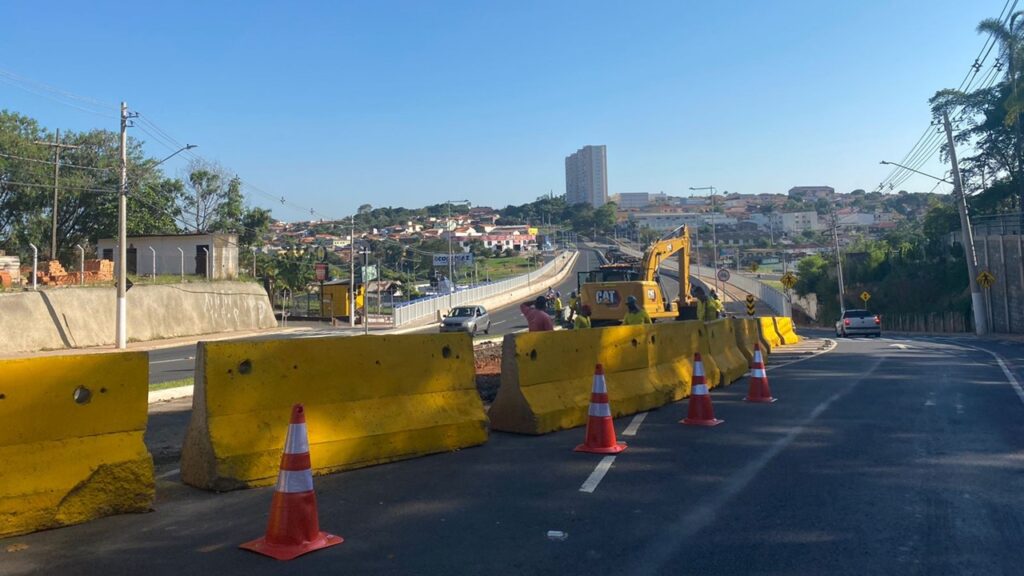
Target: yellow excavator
606,289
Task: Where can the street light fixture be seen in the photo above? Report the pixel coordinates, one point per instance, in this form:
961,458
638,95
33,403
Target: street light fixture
714,234
122,234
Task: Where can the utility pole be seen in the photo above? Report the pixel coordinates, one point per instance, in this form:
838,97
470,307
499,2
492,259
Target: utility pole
57,147
352,273
839,262
122,234
977,301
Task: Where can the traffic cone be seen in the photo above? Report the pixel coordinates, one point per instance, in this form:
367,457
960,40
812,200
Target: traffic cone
600,428
293,528
700,413
759,390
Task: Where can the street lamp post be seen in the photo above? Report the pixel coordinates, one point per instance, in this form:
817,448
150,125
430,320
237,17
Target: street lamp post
714,233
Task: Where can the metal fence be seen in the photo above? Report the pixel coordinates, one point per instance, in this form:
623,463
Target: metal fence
771,297
428,307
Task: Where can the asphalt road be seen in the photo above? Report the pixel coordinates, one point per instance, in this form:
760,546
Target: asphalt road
882,456
175,363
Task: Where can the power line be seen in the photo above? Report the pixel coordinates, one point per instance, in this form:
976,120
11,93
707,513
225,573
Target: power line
50,186
62,164
924,149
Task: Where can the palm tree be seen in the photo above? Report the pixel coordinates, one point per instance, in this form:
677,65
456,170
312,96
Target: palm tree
1011,49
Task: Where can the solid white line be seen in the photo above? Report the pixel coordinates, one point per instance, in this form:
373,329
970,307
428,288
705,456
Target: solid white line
168,474
1006,371
498,322
635,424
174,360
597,475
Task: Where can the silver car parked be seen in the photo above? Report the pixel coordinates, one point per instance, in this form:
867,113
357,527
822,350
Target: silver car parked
470,319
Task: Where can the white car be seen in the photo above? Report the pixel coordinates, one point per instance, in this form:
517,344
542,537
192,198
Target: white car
854,322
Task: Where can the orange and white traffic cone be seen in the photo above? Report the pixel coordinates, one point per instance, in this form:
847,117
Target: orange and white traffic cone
759,390
600,427
700,413
293,528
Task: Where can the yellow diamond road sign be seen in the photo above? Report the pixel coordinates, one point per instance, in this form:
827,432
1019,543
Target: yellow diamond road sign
788,279
986,279
865,296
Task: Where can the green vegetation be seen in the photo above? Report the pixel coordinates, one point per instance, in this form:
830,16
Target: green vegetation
189,381
209,199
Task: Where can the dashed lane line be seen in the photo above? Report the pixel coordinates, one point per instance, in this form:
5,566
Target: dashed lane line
597,475
631,430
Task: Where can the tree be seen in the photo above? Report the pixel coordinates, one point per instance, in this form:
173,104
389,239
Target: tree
364,209
255,224
231,210
207,189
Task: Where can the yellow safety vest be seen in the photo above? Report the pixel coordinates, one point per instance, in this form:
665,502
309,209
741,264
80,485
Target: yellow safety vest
639,317
581,322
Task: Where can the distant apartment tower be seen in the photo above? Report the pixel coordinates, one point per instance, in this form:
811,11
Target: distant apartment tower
586,176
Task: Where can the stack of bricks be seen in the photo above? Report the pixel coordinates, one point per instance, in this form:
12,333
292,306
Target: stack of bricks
96,271
99,270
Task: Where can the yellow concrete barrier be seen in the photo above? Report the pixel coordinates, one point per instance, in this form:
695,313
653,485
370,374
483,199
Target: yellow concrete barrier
721,340
746,337
546,377
769,336
368,400
784,327
71,440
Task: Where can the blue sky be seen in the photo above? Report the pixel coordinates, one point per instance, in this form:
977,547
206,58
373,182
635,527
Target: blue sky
335,104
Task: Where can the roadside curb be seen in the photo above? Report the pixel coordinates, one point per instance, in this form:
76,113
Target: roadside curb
168,394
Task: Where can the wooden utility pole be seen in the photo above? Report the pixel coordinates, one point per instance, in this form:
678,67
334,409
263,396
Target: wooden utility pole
57,146
977,300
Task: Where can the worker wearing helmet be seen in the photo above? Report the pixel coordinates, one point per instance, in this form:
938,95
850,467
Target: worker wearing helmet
574,305
702,302
634,313
716,307
583,318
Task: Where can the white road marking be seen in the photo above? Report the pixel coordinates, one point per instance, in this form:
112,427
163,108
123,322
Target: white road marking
635,424
173,360
1006,371
499,322
901,346
833,346
657,554
931,399
168,474
959,404
597,475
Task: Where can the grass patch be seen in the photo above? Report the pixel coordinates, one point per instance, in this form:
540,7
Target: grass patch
189,381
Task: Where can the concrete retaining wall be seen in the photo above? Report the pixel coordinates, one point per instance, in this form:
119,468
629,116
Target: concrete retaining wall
84,317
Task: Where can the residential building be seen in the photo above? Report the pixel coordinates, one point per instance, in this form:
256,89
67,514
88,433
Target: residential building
633,200
796,221
663,222
586,176
212,255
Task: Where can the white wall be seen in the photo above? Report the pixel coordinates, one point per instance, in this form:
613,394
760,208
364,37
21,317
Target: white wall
223,263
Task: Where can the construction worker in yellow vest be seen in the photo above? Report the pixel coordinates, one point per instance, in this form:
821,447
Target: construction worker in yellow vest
702,303
574,306
716,305
582,319
634,313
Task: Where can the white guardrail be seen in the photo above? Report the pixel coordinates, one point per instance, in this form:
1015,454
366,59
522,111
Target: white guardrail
771,297
429,307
